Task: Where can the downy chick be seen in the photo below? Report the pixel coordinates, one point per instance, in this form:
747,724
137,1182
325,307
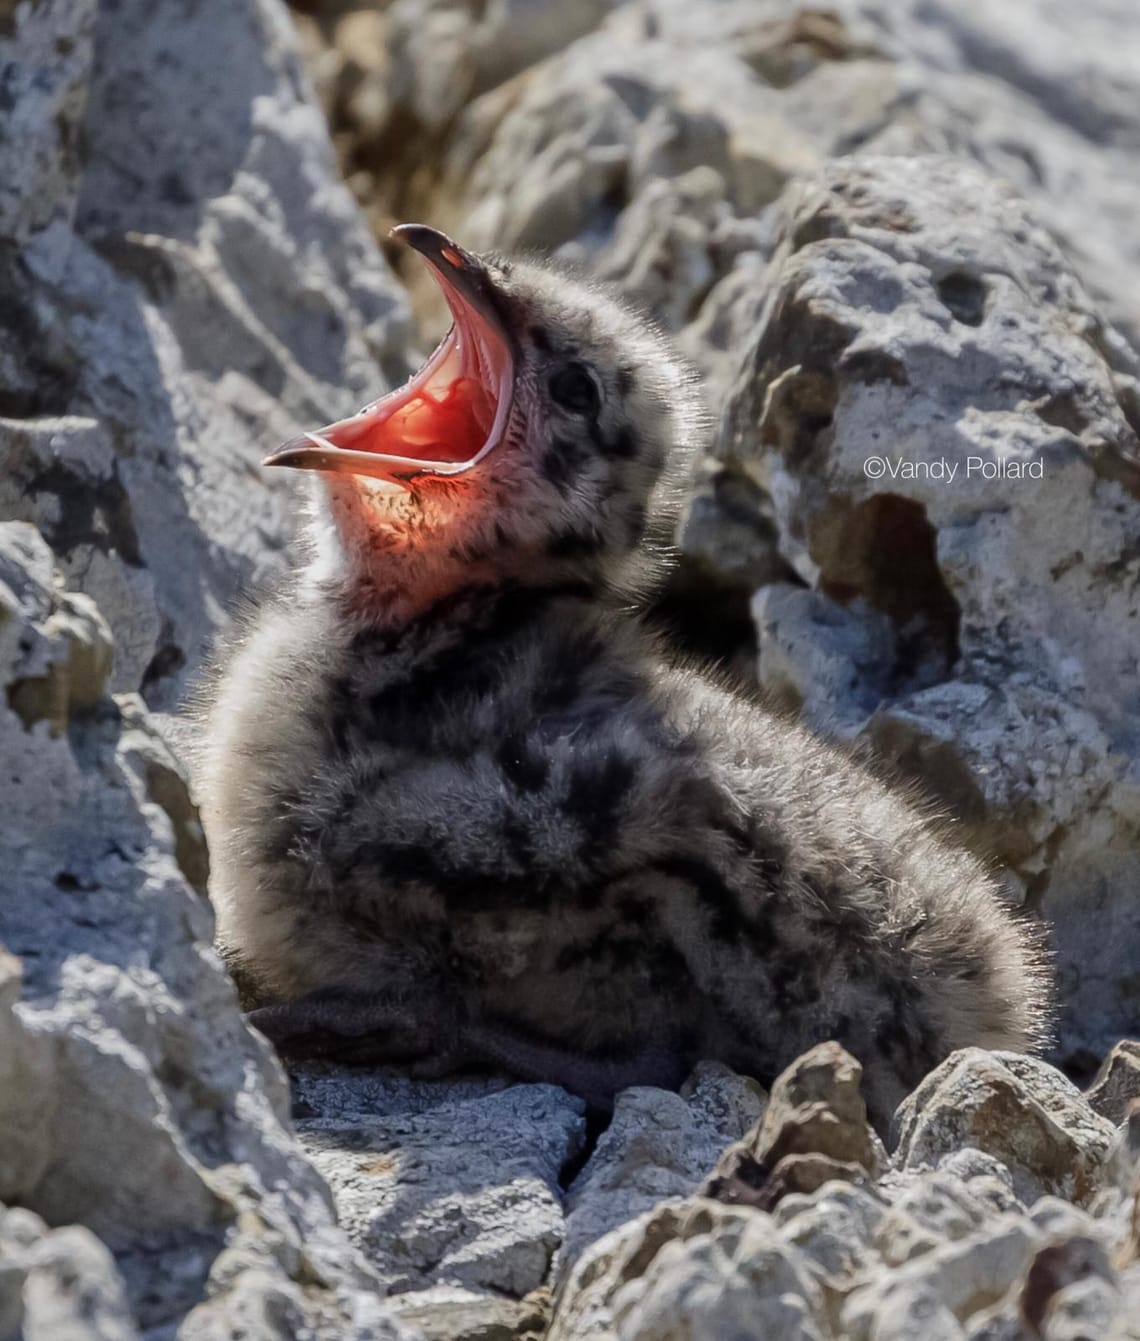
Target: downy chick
463,806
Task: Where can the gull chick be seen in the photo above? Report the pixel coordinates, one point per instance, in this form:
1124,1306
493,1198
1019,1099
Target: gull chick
465,807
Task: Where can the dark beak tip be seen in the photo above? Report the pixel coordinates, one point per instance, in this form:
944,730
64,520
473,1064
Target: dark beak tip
423,238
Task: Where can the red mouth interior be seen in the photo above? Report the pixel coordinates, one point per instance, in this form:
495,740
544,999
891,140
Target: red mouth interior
447,411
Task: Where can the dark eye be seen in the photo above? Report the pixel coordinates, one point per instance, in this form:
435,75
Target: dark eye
575,388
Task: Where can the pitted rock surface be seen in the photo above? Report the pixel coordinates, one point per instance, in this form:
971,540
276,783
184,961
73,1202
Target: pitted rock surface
134,1102
463,1192
186,292
954,1237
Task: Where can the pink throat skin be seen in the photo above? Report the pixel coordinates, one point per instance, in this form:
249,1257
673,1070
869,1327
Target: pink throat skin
394,560
395,555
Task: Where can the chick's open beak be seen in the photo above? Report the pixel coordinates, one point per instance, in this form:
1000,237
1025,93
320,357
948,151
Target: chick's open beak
451,413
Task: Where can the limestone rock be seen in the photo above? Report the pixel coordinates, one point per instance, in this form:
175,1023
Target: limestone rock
836,1227
134,1102
185,284
1117,1083
969,1231
1016,1108
936,1293
1043,97
831,663
190,290
58,1284
444,52
461,1192
929,1208
448,1313
657,1146
929,402
814,1130
689,1270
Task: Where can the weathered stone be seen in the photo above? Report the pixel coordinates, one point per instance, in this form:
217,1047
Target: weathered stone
133,1099
658,1146
463,1192
925,398
937,1291
62,668
1070,1291
831,663
814,1130
59,1284
447,1313
444,52
1117,1082
931,1209
1016,1108
239,300
1046,100
835,1228
1124,1176
691,1270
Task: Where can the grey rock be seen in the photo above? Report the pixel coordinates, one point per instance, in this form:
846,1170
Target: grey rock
185,284
1117,1083
448,1313
939,1290
836,1229
938,1243
763,91
58,1284
691,1270
239,300
134,1102
1018,1109
1070,1290
1041,96
931,1209
459,1192
661,247
830,663
658,1146
814,1130
729,534
39,141
331,1092
1001,693
443,53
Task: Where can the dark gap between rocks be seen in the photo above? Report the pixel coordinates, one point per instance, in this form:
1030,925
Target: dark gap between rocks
596,1125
